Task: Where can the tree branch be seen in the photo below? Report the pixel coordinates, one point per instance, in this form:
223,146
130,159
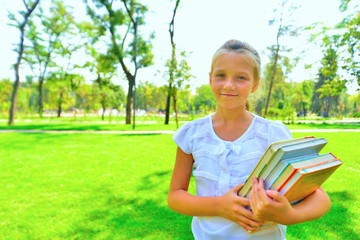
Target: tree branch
128,11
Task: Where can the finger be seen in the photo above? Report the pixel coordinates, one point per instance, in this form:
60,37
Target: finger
256,197
261,191
248,224
246,214
237,188
242,201
275,195
252,198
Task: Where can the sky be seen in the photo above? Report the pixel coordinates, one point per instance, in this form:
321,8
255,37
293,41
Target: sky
201,27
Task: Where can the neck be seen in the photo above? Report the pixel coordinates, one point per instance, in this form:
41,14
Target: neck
231,116
229,125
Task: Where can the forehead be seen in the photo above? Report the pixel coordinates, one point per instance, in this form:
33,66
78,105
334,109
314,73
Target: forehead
234,62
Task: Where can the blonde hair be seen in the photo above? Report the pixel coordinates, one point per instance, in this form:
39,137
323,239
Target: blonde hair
242,48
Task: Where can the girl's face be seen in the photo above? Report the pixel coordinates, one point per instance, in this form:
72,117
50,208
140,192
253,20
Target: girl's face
232,80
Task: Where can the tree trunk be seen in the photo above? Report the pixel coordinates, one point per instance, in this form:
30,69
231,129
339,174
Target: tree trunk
172,89
103,113
175,110
59,111
18,62
14,95
40,103
328,106
167,109
129,102
272,78
268,98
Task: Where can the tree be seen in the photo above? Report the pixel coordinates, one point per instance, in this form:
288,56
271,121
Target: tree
103,65
184,100
30,7
105,70
45,40
282,30
350,39
69,81
85,100
5,95
150,97
204,100
171,65
329,85
280,93
302,97
345,38
138,50
181,75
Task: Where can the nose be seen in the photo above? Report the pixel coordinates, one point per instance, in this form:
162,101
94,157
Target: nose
229,83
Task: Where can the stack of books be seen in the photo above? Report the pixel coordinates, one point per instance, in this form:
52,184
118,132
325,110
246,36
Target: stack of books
294,168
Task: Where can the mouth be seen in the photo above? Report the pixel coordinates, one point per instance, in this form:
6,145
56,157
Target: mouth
228,95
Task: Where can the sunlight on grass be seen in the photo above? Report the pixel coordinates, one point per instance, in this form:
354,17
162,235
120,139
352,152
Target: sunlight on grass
99,186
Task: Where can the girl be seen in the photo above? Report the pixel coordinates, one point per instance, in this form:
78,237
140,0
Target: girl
222,149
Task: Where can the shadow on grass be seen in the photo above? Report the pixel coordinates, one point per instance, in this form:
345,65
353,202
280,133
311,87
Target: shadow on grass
79,126
55,126
345,125
24,141
338,223
152,180
142,216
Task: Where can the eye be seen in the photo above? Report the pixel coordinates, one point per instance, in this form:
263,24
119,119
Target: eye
241,78
220,75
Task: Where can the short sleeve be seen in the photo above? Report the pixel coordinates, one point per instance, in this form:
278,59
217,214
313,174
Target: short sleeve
181,137
279,132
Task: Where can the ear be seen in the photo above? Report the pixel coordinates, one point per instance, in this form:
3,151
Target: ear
210,80
256,85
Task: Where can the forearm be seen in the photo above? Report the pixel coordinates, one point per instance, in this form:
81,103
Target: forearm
312,207
187,204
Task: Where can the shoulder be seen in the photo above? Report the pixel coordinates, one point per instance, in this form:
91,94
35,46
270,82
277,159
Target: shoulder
184,136
274,131
196,125
269,124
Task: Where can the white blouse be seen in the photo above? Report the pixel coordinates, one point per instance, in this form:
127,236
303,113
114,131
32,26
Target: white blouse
220,165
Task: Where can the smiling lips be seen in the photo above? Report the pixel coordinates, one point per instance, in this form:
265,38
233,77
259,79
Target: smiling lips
228,95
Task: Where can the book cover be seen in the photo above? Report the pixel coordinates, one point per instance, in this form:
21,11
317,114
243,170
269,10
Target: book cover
289,149
306,181
286,168
265,159
296,170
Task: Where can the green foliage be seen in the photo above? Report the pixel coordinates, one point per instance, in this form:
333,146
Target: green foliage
50,48
331,88
204,101
184,101
350,38
356,115
112,24
302,97
329,85
149,97
5,95
345,38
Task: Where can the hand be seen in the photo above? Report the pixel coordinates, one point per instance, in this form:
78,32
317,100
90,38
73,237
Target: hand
232,207
269,205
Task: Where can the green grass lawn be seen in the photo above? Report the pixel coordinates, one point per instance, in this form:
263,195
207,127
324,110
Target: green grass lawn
142,124
100,186
85,126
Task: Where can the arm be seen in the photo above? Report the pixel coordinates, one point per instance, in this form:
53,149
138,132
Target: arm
273,206
229,206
